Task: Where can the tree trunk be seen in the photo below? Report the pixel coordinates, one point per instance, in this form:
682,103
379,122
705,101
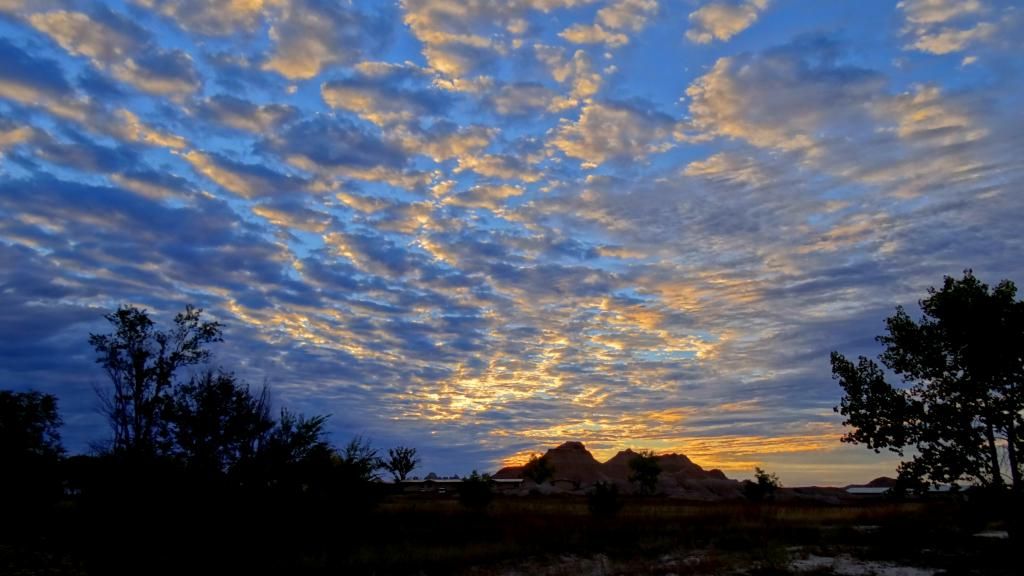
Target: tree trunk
1011,454
993,455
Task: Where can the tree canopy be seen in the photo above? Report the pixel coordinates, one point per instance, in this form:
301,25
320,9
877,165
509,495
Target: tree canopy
957,414
401,461
141,362
539,469
29,426
763,486
213,422
644,471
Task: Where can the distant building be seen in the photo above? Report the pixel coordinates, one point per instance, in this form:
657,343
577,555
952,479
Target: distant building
445,485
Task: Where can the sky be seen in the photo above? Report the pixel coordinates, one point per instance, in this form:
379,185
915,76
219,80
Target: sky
483,228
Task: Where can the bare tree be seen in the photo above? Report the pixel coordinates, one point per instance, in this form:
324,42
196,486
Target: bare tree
401,461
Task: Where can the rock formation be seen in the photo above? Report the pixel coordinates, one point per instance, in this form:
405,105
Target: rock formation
576,469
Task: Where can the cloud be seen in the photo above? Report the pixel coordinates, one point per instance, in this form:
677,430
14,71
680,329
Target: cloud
721,21
630,15
12,135
81,153
491,197
246,180
311,35
292,215
40,82
613,21
729,168
498,166
522,98
782,98
947,26
384,100
443,140
332,144
492,236
462,39
243,115
26,78
576,71
116,44
613,131
948,40
594,34
153,184
938,11
212,18
126,125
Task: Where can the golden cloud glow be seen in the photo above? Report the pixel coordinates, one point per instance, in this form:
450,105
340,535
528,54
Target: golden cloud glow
721,21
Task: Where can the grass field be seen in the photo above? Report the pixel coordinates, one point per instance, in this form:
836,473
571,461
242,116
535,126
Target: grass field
432,534
657,536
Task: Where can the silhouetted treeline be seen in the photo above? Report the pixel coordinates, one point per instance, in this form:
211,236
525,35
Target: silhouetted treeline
198,474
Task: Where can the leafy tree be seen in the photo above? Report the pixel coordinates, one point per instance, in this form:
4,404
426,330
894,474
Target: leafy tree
961,403
30,450
539,469
763,487
475,491
603,500
141,362
401,461
644,471
29,426
294,456
358,461
296,437
214,422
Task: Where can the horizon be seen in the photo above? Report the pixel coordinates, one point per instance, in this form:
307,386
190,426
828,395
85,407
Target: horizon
486,231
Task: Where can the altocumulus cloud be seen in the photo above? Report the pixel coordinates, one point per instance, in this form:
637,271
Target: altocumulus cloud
487,228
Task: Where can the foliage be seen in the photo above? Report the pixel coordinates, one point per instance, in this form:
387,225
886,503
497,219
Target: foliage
539,469
603,500
961,404
475,491
358,461
141,363
30,449
401,461
644,471
763,488
213,422
29,426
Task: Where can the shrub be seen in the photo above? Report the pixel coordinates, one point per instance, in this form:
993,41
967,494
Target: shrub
475,491
604,500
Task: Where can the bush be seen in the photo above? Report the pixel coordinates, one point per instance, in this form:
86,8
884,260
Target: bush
475,491
763,489
604,500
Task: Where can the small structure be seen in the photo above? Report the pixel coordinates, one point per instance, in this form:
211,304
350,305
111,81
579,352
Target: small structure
446,485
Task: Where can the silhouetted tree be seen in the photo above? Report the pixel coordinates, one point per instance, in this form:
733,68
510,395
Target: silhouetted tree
962,365
29,426
539,469
214,422
141,363
644,471
400,462
763,487
294,456
358,461
475,491
603,500
30,447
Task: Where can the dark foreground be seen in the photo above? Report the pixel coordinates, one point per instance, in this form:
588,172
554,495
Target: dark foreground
436,534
